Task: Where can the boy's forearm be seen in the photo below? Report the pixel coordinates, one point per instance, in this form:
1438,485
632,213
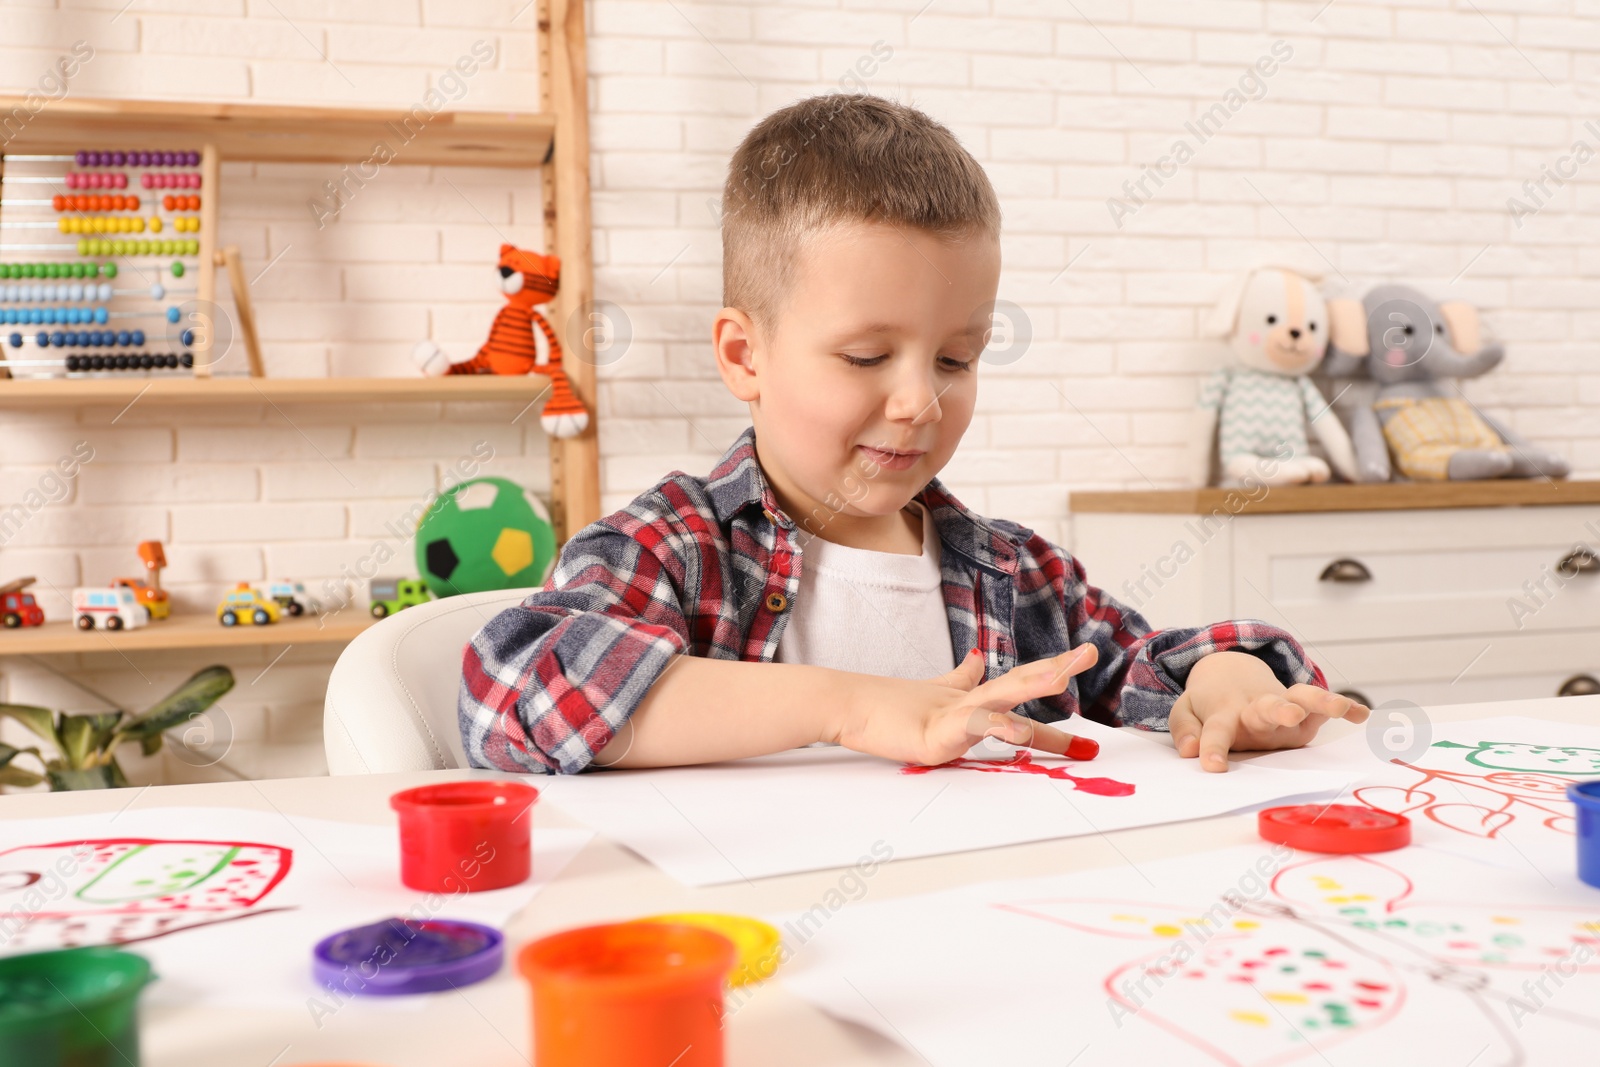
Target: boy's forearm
706,710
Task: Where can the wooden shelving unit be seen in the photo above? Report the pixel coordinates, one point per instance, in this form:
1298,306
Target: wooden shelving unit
1384,496
183,631
36,392
554,137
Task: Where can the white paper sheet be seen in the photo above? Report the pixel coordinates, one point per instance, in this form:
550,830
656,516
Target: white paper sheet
237,924
1501,780
818,808
1242,957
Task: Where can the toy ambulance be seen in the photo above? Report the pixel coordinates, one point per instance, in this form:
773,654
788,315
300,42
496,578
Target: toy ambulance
108,608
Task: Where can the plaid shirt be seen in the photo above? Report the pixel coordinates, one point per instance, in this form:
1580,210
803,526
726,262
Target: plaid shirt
711,567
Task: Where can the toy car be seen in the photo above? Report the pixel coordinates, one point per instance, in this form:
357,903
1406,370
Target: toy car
155,601
107,607
246,605
390,595
18,608
291,597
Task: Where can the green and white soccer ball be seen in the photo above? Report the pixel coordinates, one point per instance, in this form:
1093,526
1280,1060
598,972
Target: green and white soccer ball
487,533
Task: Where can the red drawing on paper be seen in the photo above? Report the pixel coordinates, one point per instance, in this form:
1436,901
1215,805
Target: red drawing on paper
1333,952
117,890
1523,781
1023,764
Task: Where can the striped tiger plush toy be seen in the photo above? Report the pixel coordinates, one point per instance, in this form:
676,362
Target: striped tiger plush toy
521,340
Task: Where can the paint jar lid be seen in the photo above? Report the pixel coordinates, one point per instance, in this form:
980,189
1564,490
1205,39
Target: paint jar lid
1334,828
756,942
398,956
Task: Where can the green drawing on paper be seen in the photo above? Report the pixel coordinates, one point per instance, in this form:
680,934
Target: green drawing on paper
1538,759
147,873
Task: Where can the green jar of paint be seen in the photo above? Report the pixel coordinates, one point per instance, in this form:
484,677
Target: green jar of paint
75,1008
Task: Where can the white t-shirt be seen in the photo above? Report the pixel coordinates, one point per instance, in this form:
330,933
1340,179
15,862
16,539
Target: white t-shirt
870,612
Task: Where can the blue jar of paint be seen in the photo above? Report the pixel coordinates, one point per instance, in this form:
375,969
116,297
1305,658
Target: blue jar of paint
1586,795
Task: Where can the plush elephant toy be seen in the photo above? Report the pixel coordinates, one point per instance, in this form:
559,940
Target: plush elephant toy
1406,344
1257,411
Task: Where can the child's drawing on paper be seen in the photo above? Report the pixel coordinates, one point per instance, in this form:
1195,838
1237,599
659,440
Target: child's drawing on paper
1023,763
118,890
1484,788
1335,950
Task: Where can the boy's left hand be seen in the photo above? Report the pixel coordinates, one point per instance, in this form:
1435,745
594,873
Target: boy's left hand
1233,701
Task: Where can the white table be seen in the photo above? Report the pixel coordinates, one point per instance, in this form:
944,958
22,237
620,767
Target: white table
488,1024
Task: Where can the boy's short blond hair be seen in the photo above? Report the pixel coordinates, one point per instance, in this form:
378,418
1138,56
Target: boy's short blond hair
840,157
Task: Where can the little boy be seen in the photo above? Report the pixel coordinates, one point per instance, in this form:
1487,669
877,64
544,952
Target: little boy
822,585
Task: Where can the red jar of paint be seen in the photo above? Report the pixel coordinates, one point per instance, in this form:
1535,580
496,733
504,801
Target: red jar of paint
459,837
626,994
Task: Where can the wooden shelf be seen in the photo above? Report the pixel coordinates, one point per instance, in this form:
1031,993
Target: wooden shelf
266,133
184,631
59,392
1385,496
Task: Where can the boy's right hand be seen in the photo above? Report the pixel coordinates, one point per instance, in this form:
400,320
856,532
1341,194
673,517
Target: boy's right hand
939,720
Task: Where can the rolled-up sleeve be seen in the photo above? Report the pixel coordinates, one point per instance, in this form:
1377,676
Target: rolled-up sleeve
546,684
1141,671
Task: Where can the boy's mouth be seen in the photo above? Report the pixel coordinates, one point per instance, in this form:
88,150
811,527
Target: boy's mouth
889,459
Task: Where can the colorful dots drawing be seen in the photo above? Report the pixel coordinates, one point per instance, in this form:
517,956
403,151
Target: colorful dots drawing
119,890
1336,949
1023,763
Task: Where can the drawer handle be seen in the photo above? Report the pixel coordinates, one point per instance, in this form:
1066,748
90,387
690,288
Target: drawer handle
1345,570
1580,560
1579,685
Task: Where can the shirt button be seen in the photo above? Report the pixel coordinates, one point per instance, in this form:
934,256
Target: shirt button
777,601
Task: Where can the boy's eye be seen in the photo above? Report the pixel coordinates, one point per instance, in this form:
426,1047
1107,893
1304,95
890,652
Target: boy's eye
862,361
952,363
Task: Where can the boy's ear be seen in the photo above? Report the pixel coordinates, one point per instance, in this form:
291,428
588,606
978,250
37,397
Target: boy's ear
733,339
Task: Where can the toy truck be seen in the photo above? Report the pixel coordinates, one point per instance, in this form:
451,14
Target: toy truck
154,601
108,608
18,608
390,595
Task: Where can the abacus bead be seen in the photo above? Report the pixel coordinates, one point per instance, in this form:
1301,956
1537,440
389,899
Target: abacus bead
172,314
138,337
108,270
16,340
156,224
119,159
194,248
145,181
58,339
177,270
157,291
124,337
101,315
81,158
187,337
166,201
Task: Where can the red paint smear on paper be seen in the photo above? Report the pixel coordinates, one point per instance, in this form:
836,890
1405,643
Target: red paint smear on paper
1023,764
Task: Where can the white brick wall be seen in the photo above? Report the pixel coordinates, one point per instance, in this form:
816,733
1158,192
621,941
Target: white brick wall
1385,149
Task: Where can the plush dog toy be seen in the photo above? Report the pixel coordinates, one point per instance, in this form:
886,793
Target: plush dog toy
1276,322
521,340
1407,344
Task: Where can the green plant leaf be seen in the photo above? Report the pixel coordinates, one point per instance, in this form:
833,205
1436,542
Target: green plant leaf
77,740
102,777
191,698
11,752
149,746
104,729
19,777
41,722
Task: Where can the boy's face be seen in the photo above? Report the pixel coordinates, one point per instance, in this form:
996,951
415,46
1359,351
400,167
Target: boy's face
862,387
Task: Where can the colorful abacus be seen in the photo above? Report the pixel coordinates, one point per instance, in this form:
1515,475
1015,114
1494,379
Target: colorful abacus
92,208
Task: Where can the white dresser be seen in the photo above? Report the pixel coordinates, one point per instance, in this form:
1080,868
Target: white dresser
1432,593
